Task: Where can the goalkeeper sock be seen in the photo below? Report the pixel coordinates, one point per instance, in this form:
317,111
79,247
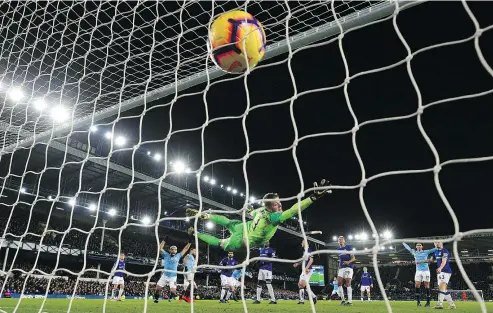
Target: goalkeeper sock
428,295
418,294
120,292
350,294
302,294
213,241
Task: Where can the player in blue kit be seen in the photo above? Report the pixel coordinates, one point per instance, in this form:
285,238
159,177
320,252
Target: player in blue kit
265,273
188,262
366,284
345,273
237,281
306,273
171,260
118,278
442,256
422,271
226,277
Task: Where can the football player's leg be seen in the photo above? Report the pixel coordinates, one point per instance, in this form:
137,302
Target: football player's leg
235,241
213,241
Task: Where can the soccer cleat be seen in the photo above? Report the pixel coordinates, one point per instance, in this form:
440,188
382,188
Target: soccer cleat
348,303
222,301
438,307
156,301
314,300
256,302
418,303
273,302
343,302
452,307
427,305
301,302
193,212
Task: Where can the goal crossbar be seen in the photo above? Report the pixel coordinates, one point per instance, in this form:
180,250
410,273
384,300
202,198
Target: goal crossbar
361,17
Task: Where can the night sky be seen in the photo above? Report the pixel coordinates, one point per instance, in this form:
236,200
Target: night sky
407,204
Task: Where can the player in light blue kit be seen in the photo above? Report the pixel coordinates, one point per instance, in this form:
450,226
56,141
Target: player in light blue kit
444,272
366,284
188,262
170,264
422,271
335,288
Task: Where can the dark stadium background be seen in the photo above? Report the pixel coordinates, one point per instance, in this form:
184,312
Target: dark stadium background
407,205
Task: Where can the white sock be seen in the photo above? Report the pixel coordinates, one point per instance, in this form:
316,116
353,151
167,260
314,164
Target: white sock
449,299
369,298
120,292
271,292
223,292
185,285
259,293
362,298
302,294
440,298
350,294
113,293
341,292
228,294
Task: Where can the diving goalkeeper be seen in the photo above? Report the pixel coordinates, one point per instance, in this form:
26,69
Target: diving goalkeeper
262,228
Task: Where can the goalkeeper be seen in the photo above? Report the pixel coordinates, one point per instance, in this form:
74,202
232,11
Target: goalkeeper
262,228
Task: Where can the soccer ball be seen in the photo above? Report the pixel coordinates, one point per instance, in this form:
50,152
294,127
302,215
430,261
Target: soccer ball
235,37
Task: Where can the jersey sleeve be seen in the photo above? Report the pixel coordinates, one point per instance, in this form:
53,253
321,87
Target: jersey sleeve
292,211
164,254
254,212
445,253
178,255
408,248
430,251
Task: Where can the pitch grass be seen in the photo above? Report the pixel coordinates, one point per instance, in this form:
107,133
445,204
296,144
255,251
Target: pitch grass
206,306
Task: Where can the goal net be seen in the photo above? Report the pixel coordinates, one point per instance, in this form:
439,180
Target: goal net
115,122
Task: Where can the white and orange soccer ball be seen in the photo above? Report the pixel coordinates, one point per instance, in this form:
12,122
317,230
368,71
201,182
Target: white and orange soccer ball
236,37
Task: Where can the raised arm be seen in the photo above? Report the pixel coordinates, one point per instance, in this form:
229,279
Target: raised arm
430,251
408,248
185,249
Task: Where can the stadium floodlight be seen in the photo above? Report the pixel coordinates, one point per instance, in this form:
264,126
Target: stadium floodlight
357,237
206,178
212,181
59,114
94,128
209,225
363,236
188,170
354,249
334,238
235,191
72,201
252,199
108,135
148,152
350,237
165,212
304,222
157,157
366,249
179,167
92,207
241,194
387,234
39,104
120,141
23,190
112,212
146,220
391,248
50,198
228,188
15,94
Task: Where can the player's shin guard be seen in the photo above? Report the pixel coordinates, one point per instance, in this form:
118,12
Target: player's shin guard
441,296
271,291
350,294
120,293
418,294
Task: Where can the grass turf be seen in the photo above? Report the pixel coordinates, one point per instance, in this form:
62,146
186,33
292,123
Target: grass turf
212,306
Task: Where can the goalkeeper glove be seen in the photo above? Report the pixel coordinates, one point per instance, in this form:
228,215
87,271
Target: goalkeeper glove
317,194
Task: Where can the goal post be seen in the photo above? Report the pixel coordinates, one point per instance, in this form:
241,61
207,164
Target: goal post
347,22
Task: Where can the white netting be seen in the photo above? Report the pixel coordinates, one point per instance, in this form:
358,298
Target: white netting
91,61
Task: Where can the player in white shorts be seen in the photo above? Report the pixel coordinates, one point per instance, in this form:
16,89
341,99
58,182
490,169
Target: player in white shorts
345,273
306,273
422,271
118,278
188,262
366,284
444,272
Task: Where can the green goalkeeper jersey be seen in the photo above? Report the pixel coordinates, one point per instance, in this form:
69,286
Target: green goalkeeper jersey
265,223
